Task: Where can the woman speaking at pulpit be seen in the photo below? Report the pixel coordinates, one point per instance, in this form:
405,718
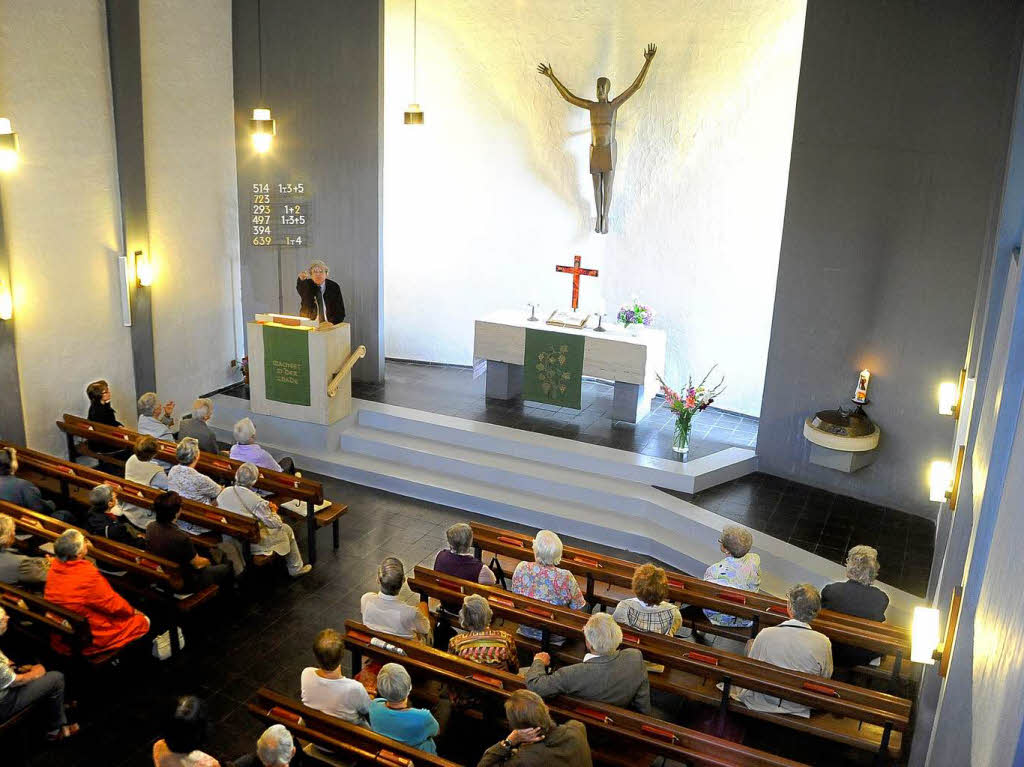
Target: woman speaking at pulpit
321,297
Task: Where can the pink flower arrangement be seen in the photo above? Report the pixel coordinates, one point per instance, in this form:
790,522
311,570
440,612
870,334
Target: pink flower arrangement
693,399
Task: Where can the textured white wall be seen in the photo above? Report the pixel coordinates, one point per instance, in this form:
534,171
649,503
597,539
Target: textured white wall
483,200
191,192
61,211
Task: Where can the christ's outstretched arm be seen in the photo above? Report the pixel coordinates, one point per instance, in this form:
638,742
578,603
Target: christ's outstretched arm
648,55
545,69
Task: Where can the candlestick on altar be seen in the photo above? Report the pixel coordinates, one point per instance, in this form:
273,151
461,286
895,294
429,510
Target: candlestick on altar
599,329
861,395
533,313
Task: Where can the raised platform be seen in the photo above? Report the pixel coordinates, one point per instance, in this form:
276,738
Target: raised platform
587,491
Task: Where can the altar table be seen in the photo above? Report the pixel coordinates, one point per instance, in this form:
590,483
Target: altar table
632,362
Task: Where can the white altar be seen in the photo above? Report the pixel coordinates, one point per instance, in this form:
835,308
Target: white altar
632,362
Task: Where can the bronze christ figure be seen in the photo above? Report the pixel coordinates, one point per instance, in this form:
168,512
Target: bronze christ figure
602,131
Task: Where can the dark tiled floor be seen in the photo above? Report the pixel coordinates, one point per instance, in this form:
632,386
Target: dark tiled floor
263,637
828,525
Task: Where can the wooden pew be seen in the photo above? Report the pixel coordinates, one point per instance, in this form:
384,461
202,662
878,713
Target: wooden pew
34,617
65,477
642,737
147,577
348,742
762,609
843,713
284,487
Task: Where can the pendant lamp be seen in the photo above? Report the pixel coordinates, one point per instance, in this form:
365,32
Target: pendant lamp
262,127
8,145
414,114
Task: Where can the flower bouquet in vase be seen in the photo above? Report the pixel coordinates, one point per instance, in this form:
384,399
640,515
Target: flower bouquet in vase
692,400
635,315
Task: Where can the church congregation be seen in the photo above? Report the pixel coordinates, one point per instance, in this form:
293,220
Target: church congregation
439,383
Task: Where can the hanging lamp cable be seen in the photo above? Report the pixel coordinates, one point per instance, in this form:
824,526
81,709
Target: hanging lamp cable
259,42
415,30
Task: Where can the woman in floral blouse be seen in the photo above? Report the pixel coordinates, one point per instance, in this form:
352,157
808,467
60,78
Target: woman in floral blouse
740,569
542,579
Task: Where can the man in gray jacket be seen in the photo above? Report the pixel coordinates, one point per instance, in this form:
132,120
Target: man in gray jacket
607,674
15,567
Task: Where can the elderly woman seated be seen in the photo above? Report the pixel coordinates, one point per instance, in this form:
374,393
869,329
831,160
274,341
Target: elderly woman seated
23,493
275,536
793,644
535,740
542,579
246,449
165,539
142,469
857,596
155,418
740,569
15,567
648,610
386,611
458,559
607,674
23,686
196,426
185,480
75,584
480,643
392,716
104,516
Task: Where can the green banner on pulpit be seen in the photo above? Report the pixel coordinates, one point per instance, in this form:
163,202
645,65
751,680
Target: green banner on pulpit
553,368
286,364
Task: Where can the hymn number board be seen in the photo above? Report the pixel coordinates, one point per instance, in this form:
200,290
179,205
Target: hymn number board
281,215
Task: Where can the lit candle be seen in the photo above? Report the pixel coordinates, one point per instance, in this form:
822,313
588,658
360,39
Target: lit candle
861,396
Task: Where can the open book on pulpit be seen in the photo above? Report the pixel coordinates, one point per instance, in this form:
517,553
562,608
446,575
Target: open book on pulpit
564,319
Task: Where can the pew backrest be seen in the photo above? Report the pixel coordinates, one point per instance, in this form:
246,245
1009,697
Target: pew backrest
48,618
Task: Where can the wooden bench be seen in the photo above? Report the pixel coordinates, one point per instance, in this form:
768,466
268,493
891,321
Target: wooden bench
149,578
74,481
762,609
33,617
346,741
617,736
284,487
843,713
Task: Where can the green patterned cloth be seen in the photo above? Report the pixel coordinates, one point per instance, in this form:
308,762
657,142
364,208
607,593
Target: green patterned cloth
553,368
286,364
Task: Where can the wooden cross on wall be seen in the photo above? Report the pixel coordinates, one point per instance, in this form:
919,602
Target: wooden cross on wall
576,271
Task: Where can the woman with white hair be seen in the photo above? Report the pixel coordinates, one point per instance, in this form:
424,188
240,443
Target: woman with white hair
155,418
105,517
196,425
543,579
321,298
275,536
741,569
247,450
75,584
857,596
479,642
392,716
23,686
793,644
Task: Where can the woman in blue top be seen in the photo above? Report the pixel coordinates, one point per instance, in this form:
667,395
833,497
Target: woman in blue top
392,716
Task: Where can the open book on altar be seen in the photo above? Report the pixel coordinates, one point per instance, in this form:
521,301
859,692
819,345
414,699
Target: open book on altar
565,319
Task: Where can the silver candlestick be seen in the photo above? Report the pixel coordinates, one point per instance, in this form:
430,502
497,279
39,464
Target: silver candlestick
599,329
533,313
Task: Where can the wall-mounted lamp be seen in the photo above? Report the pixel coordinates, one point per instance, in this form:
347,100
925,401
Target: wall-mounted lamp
944,479
143,269
8,146
951,396
926,644
6,301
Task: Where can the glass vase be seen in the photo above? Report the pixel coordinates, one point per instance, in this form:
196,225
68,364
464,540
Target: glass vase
681,440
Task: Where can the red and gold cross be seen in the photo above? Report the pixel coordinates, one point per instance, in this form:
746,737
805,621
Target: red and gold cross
576,271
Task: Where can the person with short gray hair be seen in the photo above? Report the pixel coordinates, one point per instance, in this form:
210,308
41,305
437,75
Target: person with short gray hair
392,716
105,517
155,418
793,644
542,579
479,642
386,611
275,747
740,569
458,559
75,584
276,537
23,493
320,298
857,596
607,674
197,426
246,449
15,567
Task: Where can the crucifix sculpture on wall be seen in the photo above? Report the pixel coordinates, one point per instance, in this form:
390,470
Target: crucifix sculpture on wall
576,271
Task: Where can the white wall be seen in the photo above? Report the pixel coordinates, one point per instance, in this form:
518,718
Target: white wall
482,201
191,192
61,211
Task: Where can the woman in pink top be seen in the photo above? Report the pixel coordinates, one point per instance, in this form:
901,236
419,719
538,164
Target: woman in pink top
543,579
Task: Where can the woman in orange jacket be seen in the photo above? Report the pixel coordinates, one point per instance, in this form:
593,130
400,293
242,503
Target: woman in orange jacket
77,585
